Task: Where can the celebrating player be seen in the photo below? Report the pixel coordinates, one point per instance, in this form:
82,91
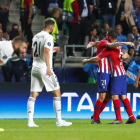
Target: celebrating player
42,73
118,77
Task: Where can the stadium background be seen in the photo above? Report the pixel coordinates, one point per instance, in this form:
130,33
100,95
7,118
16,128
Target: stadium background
14,98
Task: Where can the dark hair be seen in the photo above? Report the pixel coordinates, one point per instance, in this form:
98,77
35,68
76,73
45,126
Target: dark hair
130,49
112,33
48,23
105,31
89,32
20,40
54,10
133,27
14,25
13,34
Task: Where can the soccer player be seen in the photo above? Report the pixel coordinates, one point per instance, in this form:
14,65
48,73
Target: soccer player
42,74
103,78
10,49
118,76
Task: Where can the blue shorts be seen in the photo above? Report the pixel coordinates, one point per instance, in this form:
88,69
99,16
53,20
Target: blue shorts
118,85
103,82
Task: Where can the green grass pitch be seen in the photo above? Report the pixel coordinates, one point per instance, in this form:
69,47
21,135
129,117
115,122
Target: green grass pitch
80,130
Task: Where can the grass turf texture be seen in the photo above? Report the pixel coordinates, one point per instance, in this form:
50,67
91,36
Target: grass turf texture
80,130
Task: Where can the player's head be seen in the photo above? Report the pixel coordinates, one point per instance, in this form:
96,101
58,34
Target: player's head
112,35
19,45
49,25
55,13
105,33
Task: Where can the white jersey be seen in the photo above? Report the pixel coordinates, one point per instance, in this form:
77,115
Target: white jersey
6,51
40,41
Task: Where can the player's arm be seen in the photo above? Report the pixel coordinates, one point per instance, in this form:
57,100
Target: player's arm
137,80
117,44
47,60
90,44
91,60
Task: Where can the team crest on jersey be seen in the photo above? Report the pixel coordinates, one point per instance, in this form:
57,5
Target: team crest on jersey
49,43
4,57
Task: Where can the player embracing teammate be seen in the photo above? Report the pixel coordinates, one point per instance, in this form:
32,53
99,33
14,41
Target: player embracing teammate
111,78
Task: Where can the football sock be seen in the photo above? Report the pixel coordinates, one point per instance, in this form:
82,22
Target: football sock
128,109
97,109
57,108
117,109
103,105
30,107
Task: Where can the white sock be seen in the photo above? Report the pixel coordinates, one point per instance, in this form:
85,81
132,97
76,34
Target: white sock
30,107
57,108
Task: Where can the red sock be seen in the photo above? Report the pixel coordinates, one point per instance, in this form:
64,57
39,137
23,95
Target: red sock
117,109
128,109
103,105
97,109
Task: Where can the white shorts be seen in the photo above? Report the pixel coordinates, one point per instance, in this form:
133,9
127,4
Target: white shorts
39,79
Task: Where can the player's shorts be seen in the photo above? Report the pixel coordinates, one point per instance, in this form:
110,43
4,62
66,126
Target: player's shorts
39,79
103,82
118,85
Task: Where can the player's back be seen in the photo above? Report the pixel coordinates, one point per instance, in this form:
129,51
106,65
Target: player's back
39,42
116,61
103,65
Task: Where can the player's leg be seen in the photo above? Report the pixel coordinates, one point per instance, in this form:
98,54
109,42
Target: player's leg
52,85
105,102
57,108
126,103
128,109
115,89
97,107
36,87
30,108
102,84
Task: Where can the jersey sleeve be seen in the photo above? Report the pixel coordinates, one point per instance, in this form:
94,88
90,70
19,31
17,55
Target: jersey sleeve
49,42
105,52
103,43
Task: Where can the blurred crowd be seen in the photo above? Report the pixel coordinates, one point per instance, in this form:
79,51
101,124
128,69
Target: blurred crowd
83,21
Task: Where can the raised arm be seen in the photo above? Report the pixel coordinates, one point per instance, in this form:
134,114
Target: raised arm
117,44
126,57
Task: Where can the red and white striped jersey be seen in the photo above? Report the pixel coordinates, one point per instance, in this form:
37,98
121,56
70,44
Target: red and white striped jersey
115,60
103,64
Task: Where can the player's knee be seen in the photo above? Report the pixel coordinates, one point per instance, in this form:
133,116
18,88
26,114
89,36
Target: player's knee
102,97
122,97
34,94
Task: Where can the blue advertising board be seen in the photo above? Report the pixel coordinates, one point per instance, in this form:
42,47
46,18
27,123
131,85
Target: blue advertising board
78,101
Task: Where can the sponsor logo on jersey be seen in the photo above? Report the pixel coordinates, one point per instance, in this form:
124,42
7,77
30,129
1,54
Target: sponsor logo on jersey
4,57
49,43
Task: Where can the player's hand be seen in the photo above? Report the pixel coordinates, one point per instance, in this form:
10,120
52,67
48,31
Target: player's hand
130,43
49,72
90,45
84,62
125,55
136,85
56,49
